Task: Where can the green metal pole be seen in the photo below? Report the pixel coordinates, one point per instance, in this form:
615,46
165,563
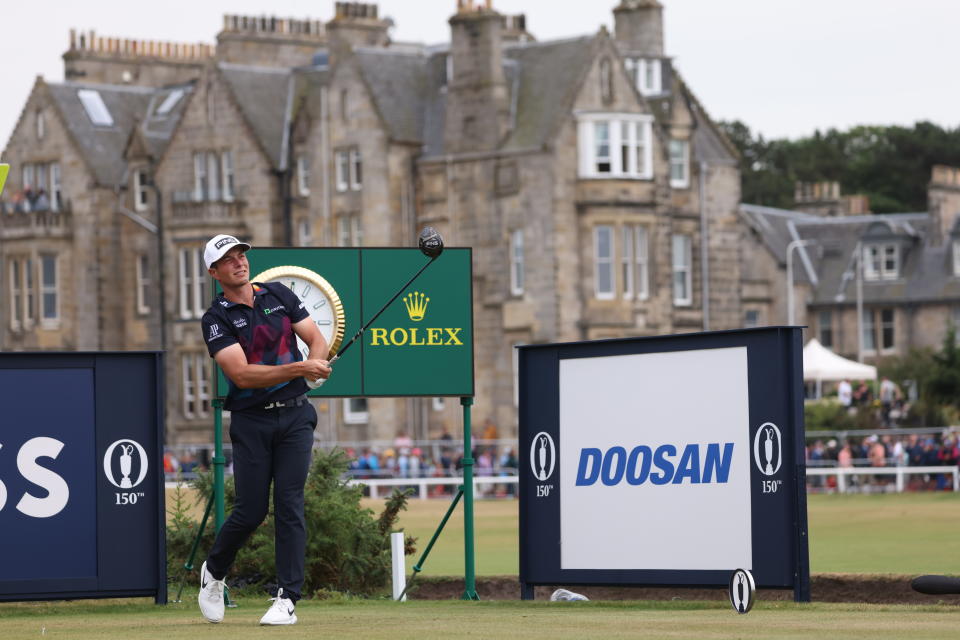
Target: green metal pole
469,560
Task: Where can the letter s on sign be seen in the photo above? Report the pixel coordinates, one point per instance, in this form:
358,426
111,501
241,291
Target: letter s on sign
56,486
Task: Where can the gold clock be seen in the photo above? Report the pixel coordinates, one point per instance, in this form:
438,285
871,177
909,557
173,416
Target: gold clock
319,298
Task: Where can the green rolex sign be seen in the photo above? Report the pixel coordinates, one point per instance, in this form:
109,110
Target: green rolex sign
422,344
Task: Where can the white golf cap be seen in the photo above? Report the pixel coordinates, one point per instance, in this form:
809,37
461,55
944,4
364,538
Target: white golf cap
218,246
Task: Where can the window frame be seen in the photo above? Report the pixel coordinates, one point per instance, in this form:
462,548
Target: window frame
49,289
303,175
200,180
875,261
56,187
604,262
686,269
356,170
141,200
825,328
15,269
143,282
869,331
228,181
350,416
627,268
683,162
191,282
642,261
341,166
956,258
638,144
747,322
884,325
517,263
195,385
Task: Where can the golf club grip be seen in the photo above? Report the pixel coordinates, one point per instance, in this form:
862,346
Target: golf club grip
382,309
936,585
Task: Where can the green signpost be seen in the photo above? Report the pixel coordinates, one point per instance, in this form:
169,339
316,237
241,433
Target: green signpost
422,344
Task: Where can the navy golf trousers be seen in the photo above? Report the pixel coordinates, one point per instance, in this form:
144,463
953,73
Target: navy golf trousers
269,444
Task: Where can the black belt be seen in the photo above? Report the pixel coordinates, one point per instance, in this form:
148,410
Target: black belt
292,402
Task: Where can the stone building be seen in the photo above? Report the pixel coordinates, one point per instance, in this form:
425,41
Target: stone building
907,264
597,195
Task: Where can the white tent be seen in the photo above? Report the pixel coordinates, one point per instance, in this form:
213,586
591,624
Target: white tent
819,363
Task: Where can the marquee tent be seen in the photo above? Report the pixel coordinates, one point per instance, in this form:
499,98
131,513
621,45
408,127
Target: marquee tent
819,364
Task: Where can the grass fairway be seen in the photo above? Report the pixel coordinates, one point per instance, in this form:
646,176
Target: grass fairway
371,620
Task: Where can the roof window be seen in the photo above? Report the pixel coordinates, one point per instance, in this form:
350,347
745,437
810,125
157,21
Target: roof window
169,102
95,108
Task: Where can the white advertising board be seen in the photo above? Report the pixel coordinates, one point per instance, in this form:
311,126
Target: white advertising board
655,461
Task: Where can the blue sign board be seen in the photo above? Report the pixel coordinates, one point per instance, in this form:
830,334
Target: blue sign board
81,481
664,461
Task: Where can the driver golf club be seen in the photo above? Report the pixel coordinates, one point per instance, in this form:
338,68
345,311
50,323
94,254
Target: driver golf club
431,245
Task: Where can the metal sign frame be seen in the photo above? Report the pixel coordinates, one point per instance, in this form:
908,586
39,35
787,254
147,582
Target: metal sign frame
778,527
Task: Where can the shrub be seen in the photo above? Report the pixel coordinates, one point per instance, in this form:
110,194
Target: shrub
348,549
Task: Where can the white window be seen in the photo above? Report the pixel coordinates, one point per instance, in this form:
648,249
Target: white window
349,231
626,261
143,284
303,175
41,186
751,318
356,170
193,283
49,300
342,168
196,385
649,77
213,176
355,411
643,263
56,191
41,125
199,176
28,308
226,166
438,403
16,291
94,106
869,331
615,146
140,200
28,176
956,258
679,164
881,262
682,276
305,233
516,262
169,102
603,262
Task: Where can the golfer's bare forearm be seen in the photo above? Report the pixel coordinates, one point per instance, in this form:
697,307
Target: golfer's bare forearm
258,376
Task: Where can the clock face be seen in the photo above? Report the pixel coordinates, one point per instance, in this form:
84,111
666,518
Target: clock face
319,299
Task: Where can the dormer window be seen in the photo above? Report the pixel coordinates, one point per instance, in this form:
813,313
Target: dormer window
881,261
646,74
615,145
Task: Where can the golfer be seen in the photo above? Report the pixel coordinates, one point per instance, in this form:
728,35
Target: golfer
251,331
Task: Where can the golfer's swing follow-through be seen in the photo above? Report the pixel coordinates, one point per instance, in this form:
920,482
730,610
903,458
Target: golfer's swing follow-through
251,331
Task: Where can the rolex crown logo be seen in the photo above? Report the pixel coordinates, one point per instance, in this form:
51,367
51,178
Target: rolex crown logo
416,304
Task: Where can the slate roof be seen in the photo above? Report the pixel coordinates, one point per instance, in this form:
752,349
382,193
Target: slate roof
926,271
398,84
264,96
102,146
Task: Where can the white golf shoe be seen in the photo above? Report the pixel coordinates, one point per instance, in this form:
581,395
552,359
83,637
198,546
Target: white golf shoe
211,596
280,612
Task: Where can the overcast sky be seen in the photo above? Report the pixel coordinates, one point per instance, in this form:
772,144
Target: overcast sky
785,67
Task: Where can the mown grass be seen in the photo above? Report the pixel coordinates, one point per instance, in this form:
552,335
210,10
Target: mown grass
421,620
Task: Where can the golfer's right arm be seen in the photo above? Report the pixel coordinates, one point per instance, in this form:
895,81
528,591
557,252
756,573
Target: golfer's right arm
234,363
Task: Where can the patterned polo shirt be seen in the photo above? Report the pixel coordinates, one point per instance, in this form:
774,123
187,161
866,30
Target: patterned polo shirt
266,335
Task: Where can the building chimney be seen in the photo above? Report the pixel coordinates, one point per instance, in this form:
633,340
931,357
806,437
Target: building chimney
356,24
638,27
943,200
478,110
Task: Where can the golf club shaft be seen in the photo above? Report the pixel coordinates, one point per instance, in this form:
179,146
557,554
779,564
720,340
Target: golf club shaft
382,309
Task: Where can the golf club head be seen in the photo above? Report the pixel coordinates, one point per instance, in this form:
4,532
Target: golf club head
430,242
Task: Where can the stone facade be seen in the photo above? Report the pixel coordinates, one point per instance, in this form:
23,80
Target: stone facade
460,137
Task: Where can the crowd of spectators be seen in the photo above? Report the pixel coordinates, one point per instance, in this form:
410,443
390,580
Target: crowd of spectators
888,450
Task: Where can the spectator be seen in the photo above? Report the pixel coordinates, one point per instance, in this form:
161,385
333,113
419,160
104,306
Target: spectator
845,393
845,457
402,441
889,393
876,452
489,430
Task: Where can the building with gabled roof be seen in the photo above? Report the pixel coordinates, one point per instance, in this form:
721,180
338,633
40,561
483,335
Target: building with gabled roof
599,198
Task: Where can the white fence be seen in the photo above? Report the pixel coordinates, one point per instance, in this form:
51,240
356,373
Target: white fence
422,483
843,473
